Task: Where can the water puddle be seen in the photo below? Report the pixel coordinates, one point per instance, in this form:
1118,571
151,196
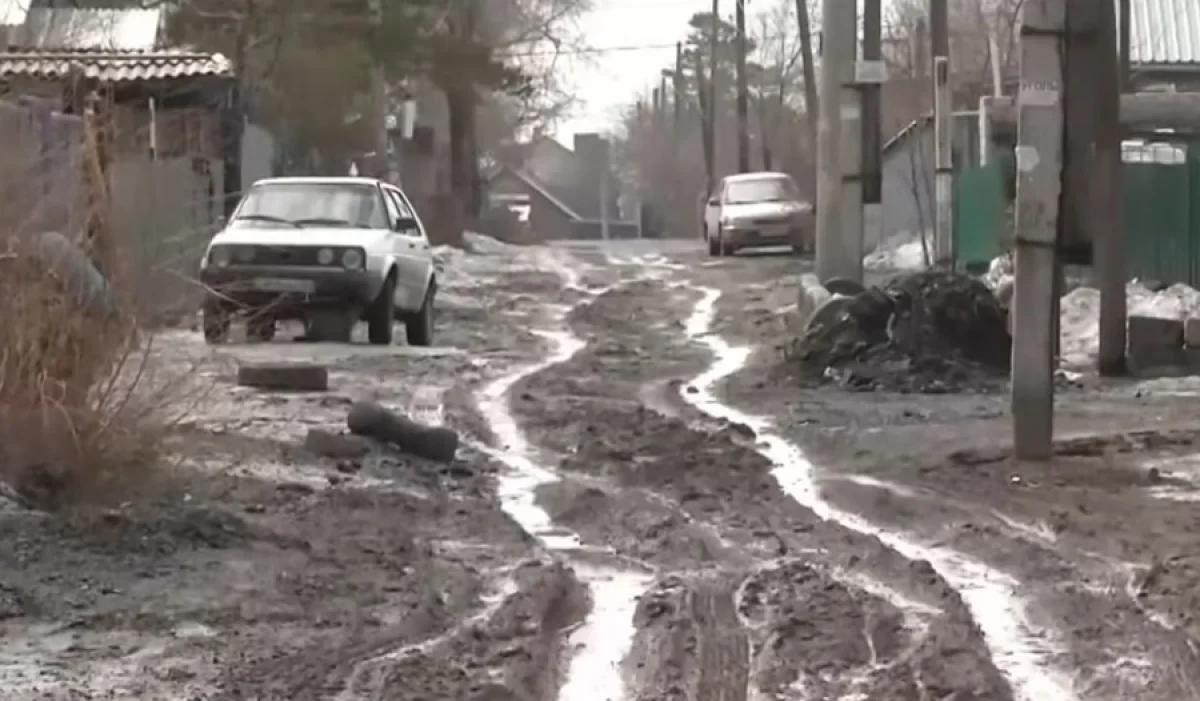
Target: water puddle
606,636
1018,648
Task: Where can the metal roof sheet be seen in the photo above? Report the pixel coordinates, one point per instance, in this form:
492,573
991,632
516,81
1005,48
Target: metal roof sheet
113,67
1164,32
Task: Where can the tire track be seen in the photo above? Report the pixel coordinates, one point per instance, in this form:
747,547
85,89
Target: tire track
1017,647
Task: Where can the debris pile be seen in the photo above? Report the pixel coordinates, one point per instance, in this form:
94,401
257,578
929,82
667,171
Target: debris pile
932,332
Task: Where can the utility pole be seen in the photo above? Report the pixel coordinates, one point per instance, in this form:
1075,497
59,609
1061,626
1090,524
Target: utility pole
382,166
743,92
943,234
1039,156
1108,188
711,135
678,76
811,101
839,208
871,74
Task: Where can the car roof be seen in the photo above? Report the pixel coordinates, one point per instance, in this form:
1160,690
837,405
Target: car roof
761,175
320,180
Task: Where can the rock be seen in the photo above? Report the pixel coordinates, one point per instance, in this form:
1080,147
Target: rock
337,446
431,442
296,377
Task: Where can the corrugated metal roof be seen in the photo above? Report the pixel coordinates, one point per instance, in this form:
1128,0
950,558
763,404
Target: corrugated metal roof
73,28
1164,32
113,67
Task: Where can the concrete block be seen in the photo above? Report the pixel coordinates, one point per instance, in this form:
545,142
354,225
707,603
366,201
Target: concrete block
1154,343
1191,333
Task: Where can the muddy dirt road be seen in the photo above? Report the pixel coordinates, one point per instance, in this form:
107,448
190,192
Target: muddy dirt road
645,508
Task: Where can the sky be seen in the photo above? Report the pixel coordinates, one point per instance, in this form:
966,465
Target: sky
634,41
645,31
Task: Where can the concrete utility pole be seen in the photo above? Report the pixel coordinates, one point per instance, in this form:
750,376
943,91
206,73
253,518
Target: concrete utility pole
743,92
1112,76
382,166
1039,156
711,135
943,118
811,101
839,209
870,75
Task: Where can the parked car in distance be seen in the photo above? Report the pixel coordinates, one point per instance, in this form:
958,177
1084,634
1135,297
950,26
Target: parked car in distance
340,248
752,210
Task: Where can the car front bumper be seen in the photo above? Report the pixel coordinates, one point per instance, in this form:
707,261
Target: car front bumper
788,233
288,289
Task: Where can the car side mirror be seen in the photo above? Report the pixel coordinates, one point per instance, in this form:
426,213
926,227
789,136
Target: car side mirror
713,202
222,222
405,225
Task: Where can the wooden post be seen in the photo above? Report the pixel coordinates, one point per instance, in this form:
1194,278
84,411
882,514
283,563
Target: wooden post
1039,183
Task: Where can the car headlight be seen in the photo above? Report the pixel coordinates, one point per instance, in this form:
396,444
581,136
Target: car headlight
325,256
352,259
220,256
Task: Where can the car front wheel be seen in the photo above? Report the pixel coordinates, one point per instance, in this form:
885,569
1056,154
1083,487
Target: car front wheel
382,313
418,328
215,321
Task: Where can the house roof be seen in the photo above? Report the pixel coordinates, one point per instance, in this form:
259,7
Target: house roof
112,66
1164,32
537,187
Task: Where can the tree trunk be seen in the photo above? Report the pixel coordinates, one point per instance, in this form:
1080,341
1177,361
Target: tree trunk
460,113
810,72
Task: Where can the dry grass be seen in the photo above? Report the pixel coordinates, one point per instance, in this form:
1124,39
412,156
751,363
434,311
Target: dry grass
84,403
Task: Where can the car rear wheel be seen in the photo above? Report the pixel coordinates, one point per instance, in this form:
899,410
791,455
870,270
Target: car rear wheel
261,329
382,313
714,246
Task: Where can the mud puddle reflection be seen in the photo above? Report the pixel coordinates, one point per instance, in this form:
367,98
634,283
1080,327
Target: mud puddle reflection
1017,647
606,636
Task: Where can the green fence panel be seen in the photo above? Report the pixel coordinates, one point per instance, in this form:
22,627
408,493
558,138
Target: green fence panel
1158,222
979,215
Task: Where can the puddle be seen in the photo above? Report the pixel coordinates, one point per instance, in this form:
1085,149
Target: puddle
606,636
1018,648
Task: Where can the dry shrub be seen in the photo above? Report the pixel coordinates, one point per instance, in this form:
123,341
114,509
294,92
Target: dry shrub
82,415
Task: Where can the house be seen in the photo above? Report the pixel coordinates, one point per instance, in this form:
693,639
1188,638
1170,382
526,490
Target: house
12,16
1164,54
565,188
173,148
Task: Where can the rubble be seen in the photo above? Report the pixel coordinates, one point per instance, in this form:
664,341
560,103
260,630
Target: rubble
930,331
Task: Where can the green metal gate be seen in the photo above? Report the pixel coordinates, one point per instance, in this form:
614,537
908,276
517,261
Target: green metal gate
1162,213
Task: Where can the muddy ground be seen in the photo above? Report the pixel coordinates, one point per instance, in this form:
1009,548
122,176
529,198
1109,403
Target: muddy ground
599,536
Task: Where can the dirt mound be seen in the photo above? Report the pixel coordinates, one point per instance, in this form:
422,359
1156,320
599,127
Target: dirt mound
932,332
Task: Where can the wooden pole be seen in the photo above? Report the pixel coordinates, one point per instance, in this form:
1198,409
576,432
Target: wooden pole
743,92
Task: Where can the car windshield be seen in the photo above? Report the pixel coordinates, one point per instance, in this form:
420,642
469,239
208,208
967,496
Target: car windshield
764,190
312,204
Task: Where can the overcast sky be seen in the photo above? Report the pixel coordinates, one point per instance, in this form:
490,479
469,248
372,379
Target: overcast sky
608,80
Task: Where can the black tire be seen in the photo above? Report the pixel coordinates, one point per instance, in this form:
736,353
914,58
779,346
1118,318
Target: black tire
418,328
295,377
215,321
844,286
382,314
261,329
714,248
726,248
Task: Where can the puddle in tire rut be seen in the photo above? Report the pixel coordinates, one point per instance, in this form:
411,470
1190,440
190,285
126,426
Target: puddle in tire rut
606,636
1018,648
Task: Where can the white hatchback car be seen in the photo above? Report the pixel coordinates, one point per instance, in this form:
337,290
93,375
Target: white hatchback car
757,209
343,248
